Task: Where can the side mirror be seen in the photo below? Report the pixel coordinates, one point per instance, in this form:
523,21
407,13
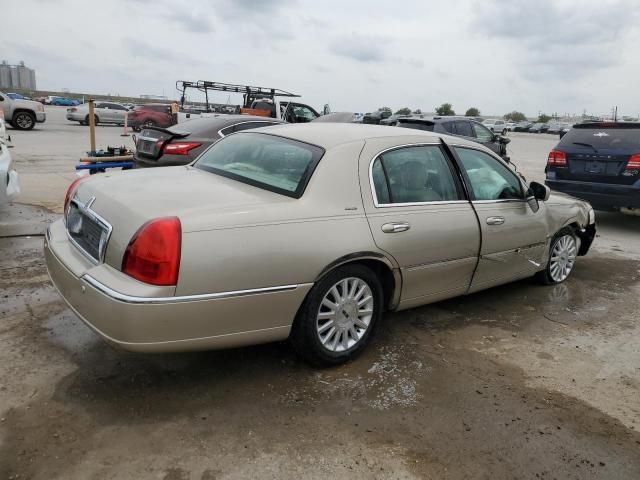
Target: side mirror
540,192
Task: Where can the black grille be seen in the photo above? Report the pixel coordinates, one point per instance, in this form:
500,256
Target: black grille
86,231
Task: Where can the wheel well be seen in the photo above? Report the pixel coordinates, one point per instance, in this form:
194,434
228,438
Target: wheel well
382,271
24,110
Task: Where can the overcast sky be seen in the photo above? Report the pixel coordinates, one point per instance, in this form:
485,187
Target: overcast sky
357,55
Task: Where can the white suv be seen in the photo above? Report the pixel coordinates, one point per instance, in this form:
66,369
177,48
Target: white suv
496,126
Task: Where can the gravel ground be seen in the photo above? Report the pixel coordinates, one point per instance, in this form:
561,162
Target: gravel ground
520,381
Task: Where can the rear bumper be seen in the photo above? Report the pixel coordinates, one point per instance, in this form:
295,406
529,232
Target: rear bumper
145,323
599,195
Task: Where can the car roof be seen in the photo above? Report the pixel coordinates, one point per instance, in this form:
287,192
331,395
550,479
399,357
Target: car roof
219,121
329,135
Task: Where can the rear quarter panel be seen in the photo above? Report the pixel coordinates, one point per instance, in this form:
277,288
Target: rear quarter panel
288,243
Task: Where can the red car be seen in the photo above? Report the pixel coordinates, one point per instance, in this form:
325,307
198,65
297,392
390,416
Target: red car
150,115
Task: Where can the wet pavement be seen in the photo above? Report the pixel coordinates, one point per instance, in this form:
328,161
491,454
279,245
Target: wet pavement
520,381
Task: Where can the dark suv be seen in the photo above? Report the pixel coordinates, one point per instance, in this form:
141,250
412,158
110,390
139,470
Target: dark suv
599,162
461,127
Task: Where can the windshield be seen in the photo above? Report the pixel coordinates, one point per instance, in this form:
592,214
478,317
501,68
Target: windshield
602,138
274,163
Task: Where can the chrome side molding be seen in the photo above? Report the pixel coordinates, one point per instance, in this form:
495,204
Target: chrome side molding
184,298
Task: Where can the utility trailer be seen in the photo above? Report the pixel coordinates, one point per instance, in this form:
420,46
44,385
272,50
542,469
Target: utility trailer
261,101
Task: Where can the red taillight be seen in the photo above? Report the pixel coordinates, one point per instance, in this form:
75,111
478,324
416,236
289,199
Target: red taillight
634,162
70,190
72,109
180,148
153,254
557,159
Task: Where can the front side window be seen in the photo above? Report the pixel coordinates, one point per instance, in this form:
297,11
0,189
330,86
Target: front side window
482,133
273,163
489,178
301,113
413,175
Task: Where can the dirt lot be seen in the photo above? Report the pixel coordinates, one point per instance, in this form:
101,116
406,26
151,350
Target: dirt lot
521,381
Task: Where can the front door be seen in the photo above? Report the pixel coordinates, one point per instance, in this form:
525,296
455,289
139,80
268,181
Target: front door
418,214
513,235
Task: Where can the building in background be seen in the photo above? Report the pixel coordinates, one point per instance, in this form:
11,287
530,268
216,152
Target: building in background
17,77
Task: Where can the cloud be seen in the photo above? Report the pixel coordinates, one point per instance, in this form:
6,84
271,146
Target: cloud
358,47
192,21
550,37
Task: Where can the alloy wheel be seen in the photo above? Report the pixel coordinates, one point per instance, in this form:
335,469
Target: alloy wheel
24,121
563,257
345,314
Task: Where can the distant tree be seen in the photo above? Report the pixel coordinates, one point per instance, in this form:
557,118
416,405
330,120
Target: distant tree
515,116
472,112
404,111
445,109
543,118
417,111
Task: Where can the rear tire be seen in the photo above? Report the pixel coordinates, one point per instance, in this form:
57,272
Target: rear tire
562,257
95,120
338,317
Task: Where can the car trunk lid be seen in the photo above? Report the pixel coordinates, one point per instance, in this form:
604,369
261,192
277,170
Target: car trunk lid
151,141
202,200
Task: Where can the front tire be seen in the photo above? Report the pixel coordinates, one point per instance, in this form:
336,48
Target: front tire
338,317
24,121
562,258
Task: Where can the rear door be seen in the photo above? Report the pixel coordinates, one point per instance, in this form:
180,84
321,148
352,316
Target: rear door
419,215
513,235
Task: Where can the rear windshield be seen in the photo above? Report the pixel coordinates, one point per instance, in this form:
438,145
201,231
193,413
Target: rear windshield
206,126
603,138
427,126
273,163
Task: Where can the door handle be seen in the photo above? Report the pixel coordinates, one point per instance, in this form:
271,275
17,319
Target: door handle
395,227
495,220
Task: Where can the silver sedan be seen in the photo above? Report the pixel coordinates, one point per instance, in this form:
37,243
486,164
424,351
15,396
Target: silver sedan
104,112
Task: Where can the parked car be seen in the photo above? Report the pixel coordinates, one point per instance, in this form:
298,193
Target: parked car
150,115
104,112
510,126
555,127
374,118
392,120
9,183
233,250
522,126
460,127
65,102
496,126
21,114
182,143
17,96
538,127
563,131
599,162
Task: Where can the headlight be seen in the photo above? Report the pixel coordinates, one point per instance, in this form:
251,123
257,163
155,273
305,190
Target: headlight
592,217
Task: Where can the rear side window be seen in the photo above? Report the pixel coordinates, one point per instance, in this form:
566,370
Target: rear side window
603,138
464,129
413,175
447,126
277,164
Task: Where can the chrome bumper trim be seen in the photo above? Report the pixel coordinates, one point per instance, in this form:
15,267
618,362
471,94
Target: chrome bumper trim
182,298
